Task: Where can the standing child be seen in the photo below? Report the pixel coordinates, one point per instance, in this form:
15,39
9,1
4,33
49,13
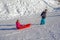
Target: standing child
43,17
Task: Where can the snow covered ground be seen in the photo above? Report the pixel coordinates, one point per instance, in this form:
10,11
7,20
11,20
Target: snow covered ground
11,10
50,31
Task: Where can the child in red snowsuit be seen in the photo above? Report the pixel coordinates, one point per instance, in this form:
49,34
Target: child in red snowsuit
20,26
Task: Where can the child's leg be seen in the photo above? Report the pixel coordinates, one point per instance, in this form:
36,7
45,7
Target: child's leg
42,21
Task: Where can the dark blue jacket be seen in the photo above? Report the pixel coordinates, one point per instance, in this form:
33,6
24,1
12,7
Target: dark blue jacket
43,14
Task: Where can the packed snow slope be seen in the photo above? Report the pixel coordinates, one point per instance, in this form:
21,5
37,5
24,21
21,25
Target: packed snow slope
11,9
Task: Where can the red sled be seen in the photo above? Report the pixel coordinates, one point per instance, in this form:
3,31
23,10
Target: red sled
24,26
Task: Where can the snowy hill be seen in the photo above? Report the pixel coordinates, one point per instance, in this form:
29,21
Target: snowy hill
28,11
9,9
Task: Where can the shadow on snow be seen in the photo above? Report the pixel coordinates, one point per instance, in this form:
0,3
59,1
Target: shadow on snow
8,29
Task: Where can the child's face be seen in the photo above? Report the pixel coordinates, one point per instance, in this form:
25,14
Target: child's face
45,9
17,20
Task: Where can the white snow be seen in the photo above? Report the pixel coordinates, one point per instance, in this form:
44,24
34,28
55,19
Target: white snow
28,11
9,9
50,31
